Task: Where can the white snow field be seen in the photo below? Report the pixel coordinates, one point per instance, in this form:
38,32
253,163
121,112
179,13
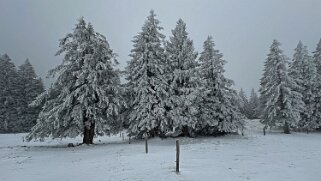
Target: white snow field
276,156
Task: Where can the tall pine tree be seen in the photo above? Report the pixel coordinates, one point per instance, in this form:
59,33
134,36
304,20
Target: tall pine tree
184,81
254,106
85,97
282,104
243,103
219,110
147,82
317,86
303,72
317,57
9,95
30,87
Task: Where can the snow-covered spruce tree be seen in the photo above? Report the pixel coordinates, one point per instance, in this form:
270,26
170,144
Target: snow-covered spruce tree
9,95
303,72
282,104
146,81
125,109
254,106
317,85
30,87
184,83
219,111
317,57
85,97
243,103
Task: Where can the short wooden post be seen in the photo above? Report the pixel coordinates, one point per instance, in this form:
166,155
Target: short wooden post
123,136
129,140
264,130
242,131
146,144
177,156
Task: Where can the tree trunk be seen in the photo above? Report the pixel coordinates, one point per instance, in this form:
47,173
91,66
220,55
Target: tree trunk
185,131
264,130
86,139
92,133
286,128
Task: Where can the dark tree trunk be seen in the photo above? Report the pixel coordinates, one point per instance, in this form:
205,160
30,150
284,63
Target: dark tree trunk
286,128
92,133
89,133
86,139
265,127
185,131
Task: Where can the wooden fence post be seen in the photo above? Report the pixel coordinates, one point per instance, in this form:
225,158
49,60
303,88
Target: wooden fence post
123,136
129,140
177,156
146,144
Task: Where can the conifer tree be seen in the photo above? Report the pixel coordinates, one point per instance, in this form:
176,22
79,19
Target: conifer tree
9,95
85,97
30,87
303,72
317,57
183,82
147,82
254,106
243,103
317,85
219,110
282,104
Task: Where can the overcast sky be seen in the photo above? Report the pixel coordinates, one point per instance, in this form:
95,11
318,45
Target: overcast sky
243,30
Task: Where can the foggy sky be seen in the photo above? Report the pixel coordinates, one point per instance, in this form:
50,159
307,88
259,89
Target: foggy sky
243,30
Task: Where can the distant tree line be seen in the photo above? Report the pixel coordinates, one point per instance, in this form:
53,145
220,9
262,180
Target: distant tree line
290,90
18,88
290,95
250,107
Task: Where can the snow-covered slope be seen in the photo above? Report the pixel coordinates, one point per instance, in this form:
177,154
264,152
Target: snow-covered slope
276,156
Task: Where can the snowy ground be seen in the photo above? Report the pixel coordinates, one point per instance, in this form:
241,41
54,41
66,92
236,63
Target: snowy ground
295,157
